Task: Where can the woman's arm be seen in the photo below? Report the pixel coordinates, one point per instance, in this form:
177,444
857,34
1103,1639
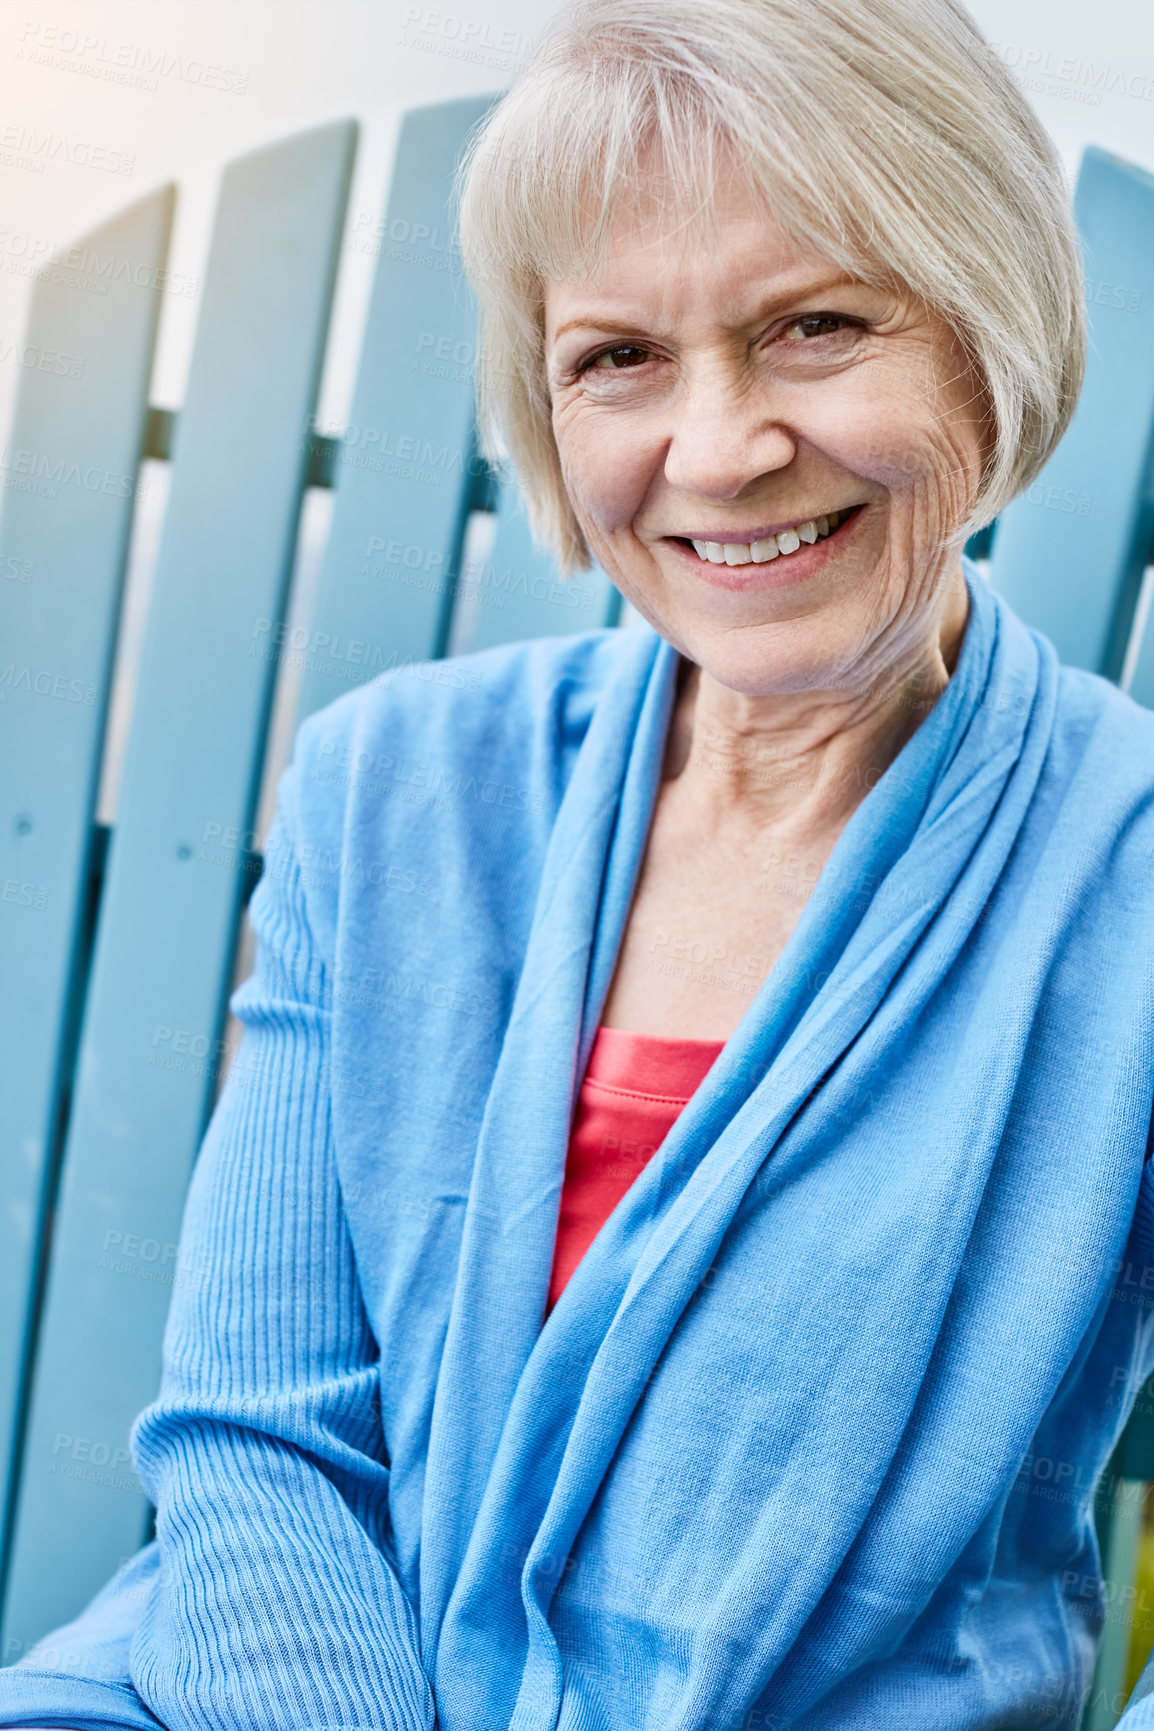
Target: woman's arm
275,1605
268,1600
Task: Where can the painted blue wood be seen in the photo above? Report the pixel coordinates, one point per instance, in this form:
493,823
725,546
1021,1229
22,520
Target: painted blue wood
980,545
520,593
70,474
406,471
1069,553
1142,683
1118,1512
149,1046
1069,556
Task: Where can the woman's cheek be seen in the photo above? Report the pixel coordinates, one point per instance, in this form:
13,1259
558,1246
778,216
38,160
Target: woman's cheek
878,447
934,477
874,426
605,475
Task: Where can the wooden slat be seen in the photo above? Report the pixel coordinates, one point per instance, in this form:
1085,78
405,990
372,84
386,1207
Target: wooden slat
175,872
1069,554
70,473
520,593
1119,1517
1118,1511
1141,685
405,473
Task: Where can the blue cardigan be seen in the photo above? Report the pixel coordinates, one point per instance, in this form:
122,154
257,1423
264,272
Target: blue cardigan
810,1439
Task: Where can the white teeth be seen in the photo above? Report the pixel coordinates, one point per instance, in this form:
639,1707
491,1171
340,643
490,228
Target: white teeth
760,552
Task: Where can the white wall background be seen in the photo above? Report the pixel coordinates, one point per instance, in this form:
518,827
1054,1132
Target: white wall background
74,91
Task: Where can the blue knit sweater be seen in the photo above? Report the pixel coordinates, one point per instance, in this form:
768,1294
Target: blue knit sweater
810,1439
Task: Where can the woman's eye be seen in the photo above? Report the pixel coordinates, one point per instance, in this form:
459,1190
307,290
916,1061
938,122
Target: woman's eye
619,357
816,325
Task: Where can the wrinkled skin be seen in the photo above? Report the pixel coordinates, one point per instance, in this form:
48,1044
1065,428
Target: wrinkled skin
713,391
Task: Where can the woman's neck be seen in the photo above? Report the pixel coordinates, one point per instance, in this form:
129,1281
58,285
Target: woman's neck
800,763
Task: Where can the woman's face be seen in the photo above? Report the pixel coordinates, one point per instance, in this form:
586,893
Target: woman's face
726,393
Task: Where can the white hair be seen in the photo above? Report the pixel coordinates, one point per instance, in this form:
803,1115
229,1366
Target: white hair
885,134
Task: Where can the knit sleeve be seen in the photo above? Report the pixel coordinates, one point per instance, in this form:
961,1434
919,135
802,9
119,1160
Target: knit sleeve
275,1606
268,1599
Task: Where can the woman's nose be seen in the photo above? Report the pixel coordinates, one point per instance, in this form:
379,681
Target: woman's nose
722,438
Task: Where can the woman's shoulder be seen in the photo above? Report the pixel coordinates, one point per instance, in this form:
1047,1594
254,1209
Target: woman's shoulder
434,777
1099,771
1093,716
495,726
466,697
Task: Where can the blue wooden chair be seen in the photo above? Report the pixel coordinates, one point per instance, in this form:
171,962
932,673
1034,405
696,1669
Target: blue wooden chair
119,947
1070,556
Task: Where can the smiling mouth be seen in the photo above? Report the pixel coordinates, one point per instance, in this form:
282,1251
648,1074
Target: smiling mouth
781,544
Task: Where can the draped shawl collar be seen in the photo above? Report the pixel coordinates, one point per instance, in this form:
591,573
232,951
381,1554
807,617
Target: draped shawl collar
788,1392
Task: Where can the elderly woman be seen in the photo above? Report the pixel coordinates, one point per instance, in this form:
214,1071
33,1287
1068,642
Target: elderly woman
631,1287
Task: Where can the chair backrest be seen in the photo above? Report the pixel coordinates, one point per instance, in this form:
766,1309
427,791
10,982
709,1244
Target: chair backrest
112,1027
1069,553
119,949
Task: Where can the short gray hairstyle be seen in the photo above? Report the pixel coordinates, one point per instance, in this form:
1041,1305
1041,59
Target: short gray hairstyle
885,134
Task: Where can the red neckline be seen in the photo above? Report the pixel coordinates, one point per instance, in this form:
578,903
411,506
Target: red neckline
656,1065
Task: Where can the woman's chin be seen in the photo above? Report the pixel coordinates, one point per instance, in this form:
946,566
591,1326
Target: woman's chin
787,675
769,658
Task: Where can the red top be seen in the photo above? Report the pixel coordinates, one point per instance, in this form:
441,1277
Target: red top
634,1089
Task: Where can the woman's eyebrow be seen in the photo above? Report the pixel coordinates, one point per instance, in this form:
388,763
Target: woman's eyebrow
837,283
590,321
